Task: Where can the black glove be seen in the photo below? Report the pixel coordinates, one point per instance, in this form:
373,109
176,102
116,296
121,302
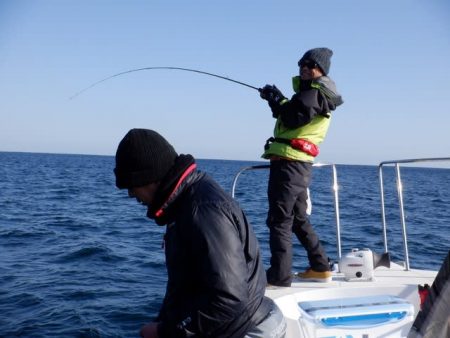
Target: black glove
271,94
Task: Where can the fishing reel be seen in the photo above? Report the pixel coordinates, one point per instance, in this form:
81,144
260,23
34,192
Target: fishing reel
359,265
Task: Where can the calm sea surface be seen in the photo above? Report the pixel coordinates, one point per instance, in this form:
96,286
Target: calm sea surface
78,258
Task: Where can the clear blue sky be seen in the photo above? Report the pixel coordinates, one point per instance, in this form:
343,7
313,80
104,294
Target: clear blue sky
391,64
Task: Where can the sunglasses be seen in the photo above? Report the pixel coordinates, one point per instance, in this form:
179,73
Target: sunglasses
307,63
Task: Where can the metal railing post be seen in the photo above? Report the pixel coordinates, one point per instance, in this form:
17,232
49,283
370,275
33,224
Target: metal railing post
336,211
402,215
400,199
383,213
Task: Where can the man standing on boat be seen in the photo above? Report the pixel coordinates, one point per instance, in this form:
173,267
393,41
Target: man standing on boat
301,125
216,281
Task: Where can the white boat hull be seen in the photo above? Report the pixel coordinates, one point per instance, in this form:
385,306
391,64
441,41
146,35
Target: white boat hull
347,309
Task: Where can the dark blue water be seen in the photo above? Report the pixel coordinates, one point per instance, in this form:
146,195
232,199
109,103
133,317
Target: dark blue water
78,258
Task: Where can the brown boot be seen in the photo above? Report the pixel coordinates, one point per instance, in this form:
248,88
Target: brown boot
315,276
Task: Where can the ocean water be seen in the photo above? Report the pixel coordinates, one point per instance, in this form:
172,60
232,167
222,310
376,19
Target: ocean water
78,258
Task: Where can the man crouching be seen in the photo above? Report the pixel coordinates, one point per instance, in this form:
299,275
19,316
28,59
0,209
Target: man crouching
216,281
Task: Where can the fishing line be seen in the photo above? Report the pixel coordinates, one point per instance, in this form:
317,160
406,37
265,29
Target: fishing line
171,68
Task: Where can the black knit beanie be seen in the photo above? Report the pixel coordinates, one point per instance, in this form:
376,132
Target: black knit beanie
143,156
321,56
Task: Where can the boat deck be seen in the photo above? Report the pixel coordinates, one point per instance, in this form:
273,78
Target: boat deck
384,278
394,283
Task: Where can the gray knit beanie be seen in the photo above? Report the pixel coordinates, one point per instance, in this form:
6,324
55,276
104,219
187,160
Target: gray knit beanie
143,156
321,56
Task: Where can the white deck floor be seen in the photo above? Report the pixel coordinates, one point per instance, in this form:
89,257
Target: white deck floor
393,281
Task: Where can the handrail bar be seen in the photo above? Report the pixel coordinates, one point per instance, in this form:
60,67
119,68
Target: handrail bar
335,190
400,199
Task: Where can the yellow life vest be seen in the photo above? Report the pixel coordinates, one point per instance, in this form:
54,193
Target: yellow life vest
314,132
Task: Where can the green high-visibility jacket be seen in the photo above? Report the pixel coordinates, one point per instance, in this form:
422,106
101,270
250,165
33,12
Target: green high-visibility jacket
306,115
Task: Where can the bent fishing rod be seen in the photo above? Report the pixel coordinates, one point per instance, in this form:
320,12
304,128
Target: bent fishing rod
170,68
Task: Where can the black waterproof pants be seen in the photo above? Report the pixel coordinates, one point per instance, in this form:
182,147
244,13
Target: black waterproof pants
287,194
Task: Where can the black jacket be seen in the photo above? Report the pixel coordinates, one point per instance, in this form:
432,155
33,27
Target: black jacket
311,98
216,280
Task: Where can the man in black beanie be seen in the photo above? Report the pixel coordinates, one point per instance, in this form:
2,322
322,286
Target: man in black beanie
216,281
301,125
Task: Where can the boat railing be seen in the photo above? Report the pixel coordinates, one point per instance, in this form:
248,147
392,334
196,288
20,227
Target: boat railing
399,184
335,195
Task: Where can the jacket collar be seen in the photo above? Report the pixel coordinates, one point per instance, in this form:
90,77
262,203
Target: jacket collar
171,187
